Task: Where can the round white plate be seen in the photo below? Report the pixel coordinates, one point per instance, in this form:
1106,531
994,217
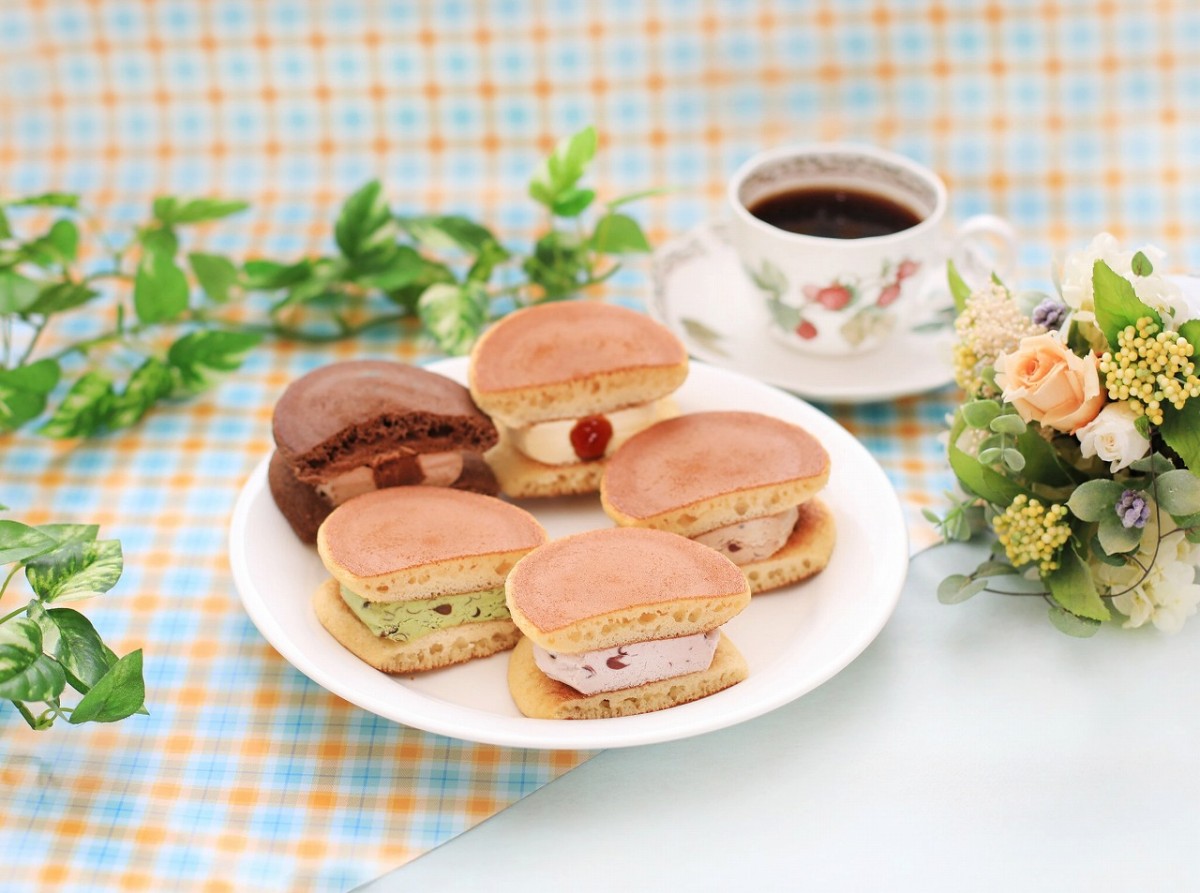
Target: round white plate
701,293
794,639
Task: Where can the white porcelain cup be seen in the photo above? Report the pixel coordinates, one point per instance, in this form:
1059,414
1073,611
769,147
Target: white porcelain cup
838,297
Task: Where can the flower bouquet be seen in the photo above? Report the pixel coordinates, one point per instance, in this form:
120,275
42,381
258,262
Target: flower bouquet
1078,442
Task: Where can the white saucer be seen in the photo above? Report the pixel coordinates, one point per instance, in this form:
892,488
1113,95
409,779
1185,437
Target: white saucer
702,294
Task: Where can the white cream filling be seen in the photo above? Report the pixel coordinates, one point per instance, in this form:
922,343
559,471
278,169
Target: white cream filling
439,470
626,666
752,540
550,442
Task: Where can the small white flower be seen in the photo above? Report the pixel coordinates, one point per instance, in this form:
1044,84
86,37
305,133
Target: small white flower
1113,437
1166,597
1155,290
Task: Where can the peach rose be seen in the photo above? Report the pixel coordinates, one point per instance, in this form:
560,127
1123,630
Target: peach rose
1046,382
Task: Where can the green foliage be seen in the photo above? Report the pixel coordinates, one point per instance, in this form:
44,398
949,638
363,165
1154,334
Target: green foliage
959,289
448,271
1072,587
1181,431
43,649
1117,306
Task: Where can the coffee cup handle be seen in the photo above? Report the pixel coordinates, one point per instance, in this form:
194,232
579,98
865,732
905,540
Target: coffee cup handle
983,245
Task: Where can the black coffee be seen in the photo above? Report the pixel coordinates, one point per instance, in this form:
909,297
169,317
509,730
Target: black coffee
834,213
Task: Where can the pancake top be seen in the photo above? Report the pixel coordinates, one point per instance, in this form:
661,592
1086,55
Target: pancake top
602,571
706,455
392,530
567,341
417,404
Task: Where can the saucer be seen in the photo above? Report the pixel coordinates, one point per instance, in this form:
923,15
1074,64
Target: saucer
704,297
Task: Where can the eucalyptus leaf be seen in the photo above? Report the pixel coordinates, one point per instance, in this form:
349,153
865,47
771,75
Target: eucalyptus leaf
1013,460
1178,492
1071,585
1117,305
995,569
85,408
1008,424
990,456
1156,463
1071,624
40,681
119,693
977,478
1095,499
958,588
1115,538
20,646
980,413
76,570
1103,557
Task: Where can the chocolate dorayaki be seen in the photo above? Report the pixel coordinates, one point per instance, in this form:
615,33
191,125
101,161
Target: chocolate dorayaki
354,427
739,482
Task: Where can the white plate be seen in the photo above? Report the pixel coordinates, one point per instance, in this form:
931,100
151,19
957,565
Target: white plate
794,639
702,294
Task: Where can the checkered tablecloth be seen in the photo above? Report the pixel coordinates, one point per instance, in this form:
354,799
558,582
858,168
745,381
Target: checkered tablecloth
1066,117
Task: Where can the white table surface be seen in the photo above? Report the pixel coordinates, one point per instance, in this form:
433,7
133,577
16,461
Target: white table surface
970,747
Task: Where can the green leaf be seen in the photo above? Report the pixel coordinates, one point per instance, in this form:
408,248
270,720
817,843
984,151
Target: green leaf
160,288
198,358
703,335
1094,500
1181,431
84,410
1013,460
37,723
1141,424
563,169
977,478
268,275
979,413
79,649
572,202
619,234
1117,305
365,224
450,232
5,229
1155,463
216,275
1178,492
1072,625
76,570
17,292
1142,265
64,238
454,315
990,455
1115,538
1072,587
558,263
958,588
46,200
1190,331
151,382
995,569
119,693
1042,462
171,211
20,541
70,533
20,646
23,392
631,197
62,296
322,277
1008,424
959,290
40,681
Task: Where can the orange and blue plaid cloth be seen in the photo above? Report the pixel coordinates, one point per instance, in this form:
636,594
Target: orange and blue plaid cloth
1066,116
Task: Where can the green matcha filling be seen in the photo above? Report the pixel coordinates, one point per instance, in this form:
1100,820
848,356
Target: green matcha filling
405,621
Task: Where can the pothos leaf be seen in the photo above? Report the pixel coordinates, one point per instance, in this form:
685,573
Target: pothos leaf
20,646
365,223
20,541
199,357
76,570
23,392
79,649
454,315
119,693
160,289
150,383
618,234
216,275
40,681
84,410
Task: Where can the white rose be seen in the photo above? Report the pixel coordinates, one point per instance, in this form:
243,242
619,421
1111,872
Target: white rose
1155,290
1113,437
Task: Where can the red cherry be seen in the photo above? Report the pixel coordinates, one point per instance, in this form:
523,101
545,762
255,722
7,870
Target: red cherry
806,330
833,297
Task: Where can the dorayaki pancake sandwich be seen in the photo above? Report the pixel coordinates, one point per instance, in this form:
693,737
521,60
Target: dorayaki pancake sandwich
567,383
418,575
363,425
622,621
739,482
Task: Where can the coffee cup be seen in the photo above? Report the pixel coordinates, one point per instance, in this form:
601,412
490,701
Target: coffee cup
840,240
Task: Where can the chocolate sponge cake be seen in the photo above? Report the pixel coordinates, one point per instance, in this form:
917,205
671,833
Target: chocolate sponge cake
353,427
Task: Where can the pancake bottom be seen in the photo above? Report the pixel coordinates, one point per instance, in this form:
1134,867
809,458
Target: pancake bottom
805,554
521,477
539,696
429,652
